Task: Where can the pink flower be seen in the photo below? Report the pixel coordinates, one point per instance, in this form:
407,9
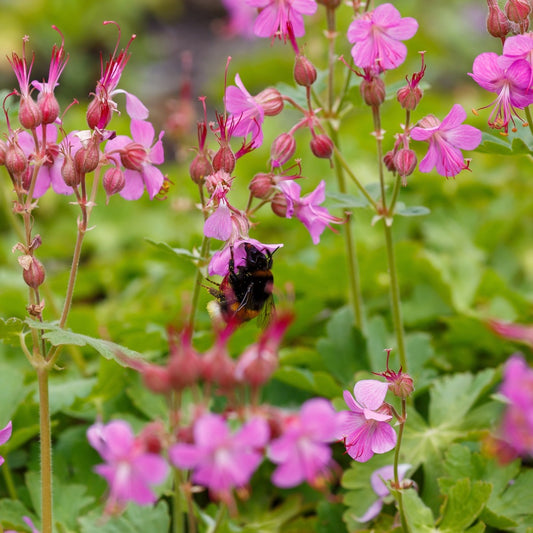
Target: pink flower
366,430
302,453
139,156
517,387
377,482
5,435
446,140
220,460
129,468
247,115
510,84
103,106
307,209
377,35
517,47
241,18
512,331
276,14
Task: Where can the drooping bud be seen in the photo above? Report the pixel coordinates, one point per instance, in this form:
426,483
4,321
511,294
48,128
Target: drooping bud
388,159
133,156
156,379
282,149
497,22
517,10
409,97
15,160
373,91
401,385
224,160
3,148
200,168
405,163
153,437
98,114
113,181
304,71
29,113
69,173
261,185
49,107
322,146
185,365
279,205
87,158
271,101
32,271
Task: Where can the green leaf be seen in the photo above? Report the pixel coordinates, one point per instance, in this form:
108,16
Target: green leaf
193,255
411,211
59,337
11,513
340,200
13,391
418,516
63,393
10,330
465,502
518,143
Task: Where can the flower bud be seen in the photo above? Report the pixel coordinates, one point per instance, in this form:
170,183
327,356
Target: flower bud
271,101
98,114
517,10
322,146
497,22
49,107
32,271
279,205
70,175
15,160
184,366
200,168
261,185
282,149
405,162
388,159
304,71
29,113
153,437
87,158
133,156
256,365
156,379
409,97
373,91
331,4
224,160
3,149
113,181
402,386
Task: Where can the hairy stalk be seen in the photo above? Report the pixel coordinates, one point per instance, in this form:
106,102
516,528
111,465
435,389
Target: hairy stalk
331,35
10,485
46,450
529,119
198,282
396,463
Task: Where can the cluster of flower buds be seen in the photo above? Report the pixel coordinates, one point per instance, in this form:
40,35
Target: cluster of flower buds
514,18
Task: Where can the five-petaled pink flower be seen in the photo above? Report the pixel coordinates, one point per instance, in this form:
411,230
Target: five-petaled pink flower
247,115
446,140
274,16
5,435
240,19
139,156
366,429
377,36
517,423
510,84
221,460
377,482
302,453
129,468
307,209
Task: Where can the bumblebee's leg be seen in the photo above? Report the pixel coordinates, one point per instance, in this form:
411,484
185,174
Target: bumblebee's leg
231,264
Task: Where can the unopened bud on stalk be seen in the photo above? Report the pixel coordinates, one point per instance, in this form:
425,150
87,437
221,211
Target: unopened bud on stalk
49,107
113,181
271,101
29,113
200,168
156,379
15,160
405,162
279,205
87,158
69,173
388,159
133,156
409,97
332,4
497,22
373,91
282,149
224,160
322,146
3,148
517,10
32,271
261,185
304,71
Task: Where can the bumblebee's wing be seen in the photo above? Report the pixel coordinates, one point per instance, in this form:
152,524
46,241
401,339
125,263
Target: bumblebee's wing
265,316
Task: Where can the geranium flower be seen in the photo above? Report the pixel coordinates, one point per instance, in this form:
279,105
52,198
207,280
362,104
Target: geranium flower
5,435
129,468
366,430
220,460
139,156
274,16
446,140
307,209
302,453
241,17
377,36
510,84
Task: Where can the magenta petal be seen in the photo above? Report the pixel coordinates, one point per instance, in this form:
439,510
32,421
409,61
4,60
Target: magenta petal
210,431
288,475
153,179
134,187
384,438
372,511
142,132
157,154
370,393
487,72
5,433
430,160
266,23
454,118
254,433
135,108
350,402
305,7
465,137
218,225
185,455
153,467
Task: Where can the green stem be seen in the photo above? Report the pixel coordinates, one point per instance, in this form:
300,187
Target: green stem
529,120
46,450
405,526
218,519
198,282
10,485
177,510
331,34
395,296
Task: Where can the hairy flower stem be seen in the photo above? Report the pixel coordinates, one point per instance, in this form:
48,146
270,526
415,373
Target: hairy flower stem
331,35
46,450
396,463
204,250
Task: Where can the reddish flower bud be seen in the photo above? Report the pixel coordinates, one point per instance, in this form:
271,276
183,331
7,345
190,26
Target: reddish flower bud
279,205
402,386
517,10
15,160
331,4
409,97
304,71
261,185
49,107
87,158
156,379
256,365
185,365
153,437
322,146
497,23
32,271
69,172
200,168
224,160
113,181
271,101
3,148
282,149
405,162
388,159
98,114
29,113
373,91
133,156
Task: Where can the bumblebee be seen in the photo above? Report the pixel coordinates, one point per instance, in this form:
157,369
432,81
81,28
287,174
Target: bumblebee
246,291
